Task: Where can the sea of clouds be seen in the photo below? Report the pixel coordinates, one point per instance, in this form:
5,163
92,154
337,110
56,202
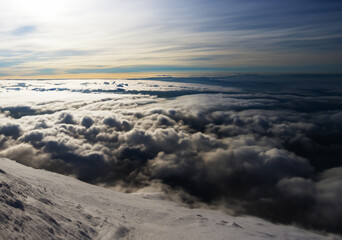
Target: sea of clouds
268,146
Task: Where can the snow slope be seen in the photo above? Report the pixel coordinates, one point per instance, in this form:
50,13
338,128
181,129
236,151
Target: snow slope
36,204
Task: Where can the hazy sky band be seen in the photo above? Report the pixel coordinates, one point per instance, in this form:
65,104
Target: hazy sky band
45,38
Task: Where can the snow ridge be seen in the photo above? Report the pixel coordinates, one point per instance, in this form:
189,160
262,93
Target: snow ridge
36,204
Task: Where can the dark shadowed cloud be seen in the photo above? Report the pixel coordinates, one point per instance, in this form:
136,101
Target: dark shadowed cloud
269,146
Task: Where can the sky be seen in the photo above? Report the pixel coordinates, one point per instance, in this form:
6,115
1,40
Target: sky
80,38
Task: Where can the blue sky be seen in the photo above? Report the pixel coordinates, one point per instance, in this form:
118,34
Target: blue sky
40,37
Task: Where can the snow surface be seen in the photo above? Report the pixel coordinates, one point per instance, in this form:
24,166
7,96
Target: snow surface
36,204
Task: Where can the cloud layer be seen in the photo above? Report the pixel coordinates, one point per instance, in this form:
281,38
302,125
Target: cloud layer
273,154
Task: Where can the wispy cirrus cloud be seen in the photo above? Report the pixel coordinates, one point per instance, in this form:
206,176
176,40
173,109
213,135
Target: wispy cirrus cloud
222,34
24,30
152,68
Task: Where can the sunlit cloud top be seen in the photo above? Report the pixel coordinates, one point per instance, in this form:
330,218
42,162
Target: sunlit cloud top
40,37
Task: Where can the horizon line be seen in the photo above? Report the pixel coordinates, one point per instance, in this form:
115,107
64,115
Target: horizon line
159,75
